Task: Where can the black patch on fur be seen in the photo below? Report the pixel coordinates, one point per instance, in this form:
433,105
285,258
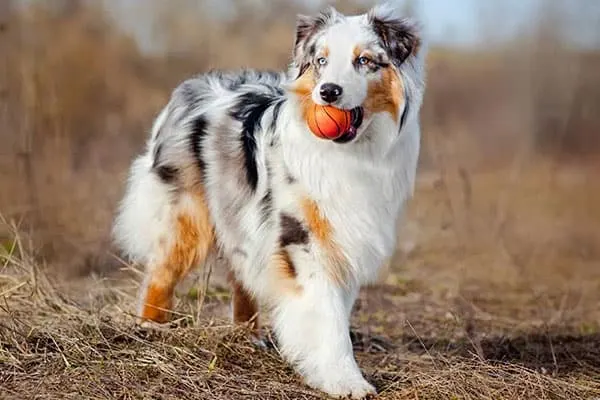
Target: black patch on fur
166,173
197,135
405,112
303,68
249,111
397,37
292,231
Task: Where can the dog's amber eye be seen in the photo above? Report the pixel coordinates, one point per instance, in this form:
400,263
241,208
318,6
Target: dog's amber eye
321,61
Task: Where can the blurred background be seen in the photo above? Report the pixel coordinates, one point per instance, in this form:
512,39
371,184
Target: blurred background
508,194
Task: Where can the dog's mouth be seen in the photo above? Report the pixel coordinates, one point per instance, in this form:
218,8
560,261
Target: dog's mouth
356,114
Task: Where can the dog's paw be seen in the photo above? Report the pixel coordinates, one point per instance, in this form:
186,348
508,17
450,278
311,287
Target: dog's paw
353,390
347,388
152,325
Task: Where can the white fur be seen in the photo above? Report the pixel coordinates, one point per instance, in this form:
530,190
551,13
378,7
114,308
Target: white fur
360,188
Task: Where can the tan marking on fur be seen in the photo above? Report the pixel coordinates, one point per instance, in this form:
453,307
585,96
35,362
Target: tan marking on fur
193,239
303,88
322,230
304,85
284,273
245,309
157,304
318,225
325,52
385,95
359,51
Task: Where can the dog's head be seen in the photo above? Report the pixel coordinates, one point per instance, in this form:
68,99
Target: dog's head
354,62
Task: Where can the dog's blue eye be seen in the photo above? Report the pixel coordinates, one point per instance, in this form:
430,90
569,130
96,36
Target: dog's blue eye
363,60
321,60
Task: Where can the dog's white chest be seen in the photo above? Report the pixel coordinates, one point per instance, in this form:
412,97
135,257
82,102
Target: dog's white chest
364,217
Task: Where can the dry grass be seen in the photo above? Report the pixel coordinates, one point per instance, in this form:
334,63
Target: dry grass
495,289
51,347
452,319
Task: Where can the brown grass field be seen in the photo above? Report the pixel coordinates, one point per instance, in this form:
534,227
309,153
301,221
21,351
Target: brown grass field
494,292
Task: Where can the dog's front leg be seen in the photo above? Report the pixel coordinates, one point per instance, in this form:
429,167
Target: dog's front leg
312,327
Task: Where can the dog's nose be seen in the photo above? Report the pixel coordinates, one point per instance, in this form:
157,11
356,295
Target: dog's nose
330,92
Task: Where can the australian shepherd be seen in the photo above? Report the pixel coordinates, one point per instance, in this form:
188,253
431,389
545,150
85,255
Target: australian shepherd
232,169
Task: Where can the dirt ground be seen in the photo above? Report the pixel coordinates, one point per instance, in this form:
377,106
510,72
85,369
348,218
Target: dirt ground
494,293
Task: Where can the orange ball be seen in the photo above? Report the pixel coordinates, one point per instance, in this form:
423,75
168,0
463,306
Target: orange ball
328,122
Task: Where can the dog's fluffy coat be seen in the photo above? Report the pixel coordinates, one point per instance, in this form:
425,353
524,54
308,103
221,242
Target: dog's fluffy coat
232,169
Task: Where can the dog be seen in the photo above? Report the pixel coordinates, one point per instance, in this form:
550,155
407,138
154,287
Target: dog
232,169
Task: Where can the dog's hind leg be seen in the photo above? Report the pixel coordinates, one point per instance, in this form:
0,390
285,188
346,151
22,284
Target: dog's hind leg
166,228
187,243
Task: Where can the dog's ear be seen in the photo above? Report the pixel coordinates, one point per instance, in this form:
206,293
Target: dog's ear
307,27
399,36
